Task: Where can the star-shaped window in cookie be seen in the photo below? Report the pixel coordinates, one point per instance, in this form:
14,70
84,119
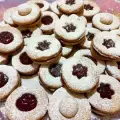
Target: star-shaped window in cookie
108,43
105,91
69,27
80,71
43,45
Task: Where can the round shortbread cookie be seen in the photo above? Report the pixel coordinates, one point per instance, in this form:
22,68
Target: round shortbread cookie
10,39
87,53
105,99
70,6
90,9
79,75
70,28
26,14
43,48
48,20
106,21
107,44
23,64
50,75
27,104
68,106
8,81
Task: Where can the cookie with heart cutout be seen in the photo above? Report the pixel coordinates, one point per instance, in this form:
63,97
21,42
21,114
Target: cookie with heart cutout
79,74
70,30
44,49
107,44
48,20
10,40
23,64
68,106
28,32
105,98
26,14
43,5
90,9
105,21
50,75
87,53
8,81
90,34
25,103
71,6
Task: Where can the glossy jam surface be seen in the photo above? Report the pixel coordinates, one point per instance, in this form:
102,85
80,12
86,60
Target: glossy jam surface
47,20
24,59
6,37
26,102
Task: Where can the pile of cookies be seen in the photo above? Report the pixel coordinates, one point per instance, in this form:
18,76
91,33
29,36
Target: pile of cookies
75,51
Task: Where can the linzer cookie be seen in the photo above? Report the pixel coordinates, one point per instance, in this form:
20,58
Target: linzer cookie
28,32
87,53
48,20
106,21
50,75
90,9
44,49
105,99
43,5
10,39
71,6
68,106
27,104
107,44
79,75
8,81
23,64
26,14
90,34
70,30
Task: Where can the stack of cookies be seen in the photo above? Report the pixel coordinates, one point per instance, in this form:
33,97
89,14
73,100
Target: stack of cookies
59,61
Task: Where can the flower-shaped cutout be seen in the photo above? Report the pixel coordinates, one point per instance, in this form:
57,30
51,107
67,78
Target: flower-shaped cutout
105,91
